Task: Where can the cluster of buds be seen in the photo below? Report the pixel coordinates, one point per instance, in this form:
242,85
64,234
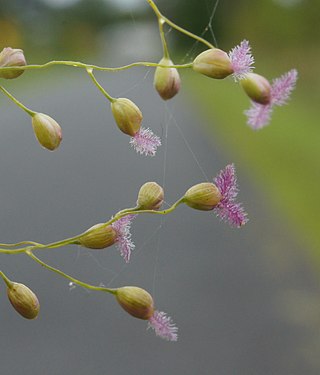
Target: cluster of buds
10,57
216,63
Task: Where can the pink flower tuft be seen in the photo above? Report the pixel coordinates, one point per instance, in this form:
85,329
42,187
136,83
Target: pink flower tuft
241,60
227,209
163,326
145,142
259,115
124,243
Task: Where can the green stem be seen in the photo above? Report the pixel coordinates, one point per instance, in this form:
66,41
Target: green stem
96,67
63,274
9,245
104,92
19,104
178,28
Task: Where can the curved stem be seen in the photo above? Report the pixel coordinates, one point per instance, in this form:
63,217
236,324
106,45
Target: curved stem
16,101
74,280
9,245
104,92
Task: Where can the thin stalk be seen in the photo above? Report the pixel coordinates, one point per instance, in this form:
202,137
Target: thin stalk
78,64
104,92
16,101
74,280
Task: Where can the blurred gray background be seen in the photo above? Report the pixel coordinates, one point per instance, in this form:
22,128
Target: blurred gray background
246,301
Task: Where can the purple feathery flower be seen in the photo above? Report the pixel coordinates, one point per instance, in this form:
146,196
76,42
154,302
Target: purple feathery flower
241,60
227,209
259,115
124,243
145,142
163,326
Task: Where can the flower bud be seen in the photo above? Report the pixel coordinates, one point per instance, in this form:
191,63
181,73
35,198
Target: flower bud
257,88
47,131
204,196
166,80
98,237
213,63
127,116
24,301
11,57
136,301
150,196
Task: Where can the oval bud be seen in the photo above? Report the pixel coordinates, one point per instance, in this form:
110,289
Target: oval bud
98,237
24,301
166,80
257,88
204,196
213,63
127,116
11,57
47,131
135,301
150,196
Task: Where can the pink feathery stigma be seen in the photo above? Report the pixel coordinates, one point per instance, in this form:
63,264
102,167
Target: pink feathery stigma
124,243
259,115
241,60
282,87
163,326
145,142
227,209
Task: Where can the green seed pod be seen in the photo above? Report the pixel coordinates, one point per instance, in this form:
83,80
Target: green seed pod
24,301
213,63
127,116
166,80
47,131
98,237
257,88
135,301
204,196
11,57
150,196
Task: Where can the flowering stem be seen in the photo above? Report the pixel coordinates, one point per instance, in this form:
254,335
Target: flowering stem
104,92
75,240
178,28
19,104
63,274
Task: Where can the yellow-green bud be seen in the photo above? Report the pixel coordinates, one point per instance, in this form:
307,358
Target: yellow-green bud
166,80
11,57
150,196
47,131
135,301
127,116
24,301
213,63
257,88
98,237
204,196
